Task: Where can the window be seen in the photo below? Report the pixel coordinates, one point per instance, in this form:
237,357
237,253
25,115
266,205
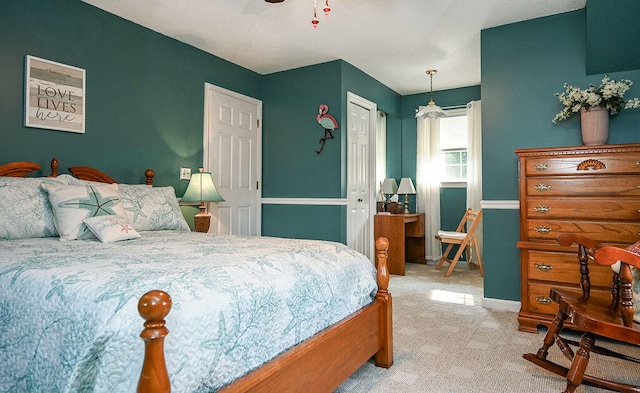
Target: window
453,146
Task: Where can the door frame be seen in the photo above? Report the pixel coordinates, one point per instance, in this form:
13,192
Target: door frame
353,98
207,131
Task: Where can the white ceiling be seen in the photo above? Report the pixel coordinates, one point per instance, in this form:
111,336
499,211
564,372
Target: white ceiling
394,41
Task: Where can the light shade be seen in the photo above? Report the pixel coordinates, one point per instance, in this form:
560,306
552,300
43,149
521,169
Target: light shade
431,111
389,186
201,189
406,186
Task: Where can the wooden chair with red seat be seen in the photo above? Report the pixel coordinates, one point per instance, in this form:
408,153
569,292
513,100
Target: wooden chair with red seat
594,316
465,237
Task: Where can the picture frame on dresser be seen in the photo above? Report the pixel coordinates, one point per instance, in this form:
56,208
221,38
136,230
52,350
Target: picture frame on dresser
590,190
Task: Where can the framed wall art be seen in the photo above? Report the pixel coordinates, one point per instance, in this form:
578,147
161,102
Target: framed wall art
54,95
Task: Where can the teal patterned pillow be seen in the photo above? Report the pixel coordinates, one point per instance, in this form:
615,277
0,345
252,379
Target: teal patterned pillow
111,228
152,208
25,211
72,204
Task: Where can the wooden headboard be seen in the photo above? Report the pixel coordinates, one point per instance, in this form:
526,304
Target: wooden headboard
92,174
18,169
23,168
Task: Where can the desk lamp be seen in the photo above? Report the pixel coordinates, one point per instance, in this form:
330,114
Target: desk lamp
389,187
406,188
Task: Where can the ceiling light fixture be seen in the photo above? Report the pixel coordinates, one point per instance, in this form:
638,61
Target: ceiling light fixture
326,10
315,20
431,110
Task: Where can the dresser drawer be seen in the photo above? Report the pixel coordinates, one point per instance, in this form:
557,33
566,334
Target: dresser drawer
601,231
582,186
602,164
564,268
626,209
540,302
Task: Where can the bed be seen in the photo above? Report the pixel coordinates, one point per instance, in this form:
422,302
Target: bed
68,308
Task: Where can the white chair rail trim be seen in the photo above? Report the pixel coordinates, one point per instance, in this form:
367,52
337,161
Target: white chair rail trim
305,201
497,204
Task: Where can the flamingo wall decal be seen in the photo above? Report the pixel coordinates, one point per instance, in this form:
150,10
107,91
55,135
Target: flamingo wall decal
327,122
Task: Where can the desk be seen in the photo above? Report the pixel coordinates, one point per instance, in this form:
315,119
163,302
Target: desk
405,233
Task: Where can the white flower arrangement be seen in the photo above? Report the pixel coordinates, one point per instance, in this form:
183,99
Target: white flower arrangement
610,95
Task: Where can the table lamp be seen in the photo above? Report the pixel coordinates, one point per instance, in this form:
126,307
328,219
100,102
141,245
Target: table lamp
406,188
201,189
389,187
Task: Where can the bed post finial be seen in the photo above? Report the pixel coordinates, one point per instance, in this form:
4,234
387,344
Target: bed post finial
54,167
149,174
382,244
153,308
384,356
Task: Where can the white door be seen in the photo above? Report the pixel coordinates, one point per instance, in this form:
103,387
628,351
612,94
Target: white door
361,120
232,155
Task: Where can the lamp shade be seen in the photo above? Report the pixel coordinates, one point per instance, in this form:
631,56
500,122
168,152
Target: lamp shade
201,189
406,186
431,111
389,186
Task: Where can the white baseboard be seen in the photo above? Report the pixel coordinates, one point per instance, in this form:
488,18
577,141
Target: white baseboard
500,304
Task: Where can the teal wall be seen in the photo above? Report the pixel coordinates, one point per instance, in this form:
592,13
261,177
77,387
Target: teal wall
144,95
291,134
612,36
291,168
523,65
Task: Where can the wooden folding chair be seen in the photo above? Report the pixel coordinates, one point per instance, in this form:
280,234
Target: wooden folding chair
465,237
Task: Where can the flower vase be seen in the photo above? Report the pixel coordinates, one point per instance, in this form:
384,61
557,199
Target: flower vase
595,125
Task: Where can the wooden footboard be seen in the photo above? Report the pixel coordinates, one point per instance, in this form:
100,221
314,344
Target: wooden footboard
318,364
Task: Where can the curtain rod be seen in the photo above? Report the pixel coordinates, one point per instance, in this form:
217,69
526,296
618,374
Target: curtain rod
454,107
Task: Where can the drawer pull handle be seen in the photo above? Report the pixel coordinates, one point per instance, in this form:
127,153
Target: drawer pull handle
542,229
540,166
543,267
541,209
544,187
544,300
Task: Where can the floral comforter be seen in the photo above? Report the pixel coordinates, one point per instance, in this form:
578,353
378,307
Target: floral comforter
69,320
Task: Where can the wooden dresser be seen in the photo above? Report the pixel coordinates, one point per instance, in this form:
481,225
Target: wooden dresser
593,190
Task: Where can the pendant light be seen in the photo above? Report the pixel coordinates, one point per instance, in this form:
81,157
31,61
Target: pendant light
326,10
315,20
431,110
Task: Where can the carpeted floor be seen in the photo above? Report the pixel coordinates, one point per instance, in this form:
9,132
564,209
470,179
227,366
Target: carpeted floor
444,341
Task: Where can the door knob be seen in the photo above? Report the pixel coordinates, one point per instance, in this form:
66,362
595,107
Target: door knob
359,199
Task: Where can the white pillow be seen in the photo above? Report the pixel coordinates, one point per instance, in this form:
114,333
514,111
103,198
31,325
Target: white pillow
25,211
72,204
111,228
152,208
